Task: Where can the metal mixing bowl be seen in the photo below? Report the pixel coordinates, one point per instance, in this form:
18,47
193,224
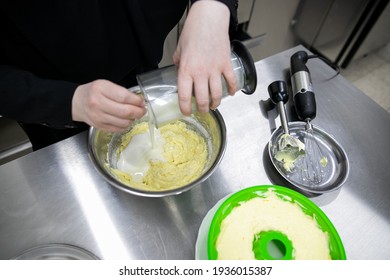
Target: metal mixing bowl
102,149
338,164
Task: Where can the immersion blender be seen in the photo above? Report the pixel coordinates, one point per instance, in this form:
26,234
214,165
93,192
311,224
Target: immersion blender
305,106
287,148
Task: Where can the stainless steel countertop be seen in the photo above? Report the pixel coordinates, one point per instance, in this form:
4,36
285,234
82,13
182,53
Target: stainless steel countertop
56,196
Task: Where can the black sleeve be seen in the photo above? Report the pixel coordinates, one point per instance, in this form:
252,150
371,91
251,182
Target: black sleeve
27,98
232,5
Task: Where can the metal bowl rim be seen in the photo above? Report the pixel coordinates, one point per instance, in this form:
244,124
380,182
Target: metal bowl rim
119,185
323,132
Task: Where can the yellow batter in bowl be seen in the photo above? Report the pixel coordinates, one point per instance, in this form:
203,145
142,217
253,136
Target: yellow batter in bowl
177,157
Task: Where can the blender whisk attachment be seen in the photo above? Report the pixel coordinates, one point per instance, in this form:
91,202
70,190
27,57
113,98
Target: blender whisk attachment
314,166
314,162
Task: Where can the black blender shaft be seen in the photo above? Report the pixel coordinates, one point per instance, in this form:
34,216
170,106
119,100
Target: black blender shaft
279,95
304,98
278,92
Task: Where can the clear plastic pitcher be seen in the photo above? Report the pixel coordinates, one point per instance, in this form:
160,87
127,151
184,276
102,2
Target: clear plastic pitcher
159,87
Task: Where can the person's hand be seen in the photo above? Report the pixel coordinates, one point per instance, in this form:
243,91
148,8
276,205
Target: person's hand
203,56
107,106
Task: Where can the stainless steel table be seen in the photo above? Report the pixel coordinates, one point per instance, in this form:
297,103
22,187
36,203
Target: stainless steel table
55,195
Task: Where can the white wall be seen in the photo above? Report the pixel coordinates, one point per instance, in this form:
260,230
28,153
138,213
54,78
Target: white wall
272,17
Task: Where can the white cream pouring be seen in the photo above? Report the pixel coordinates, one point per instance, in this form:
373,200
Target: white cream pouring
135,158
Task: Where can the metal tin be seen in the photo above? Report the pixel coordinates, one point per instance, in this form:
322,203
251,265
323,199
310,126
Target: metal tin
54,251
338,165
102,152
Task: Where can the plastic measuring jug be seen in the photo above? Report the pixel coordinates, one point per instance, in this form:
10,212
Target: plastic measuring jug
159,86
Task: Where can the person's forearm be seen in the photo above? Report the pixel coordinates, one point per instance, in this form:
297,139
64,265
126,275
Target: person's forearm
27,98
203,56
232,5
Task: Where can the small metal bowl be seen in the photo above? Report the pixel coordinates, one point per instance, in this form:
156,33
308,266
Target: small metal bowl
56,251
338,165
102,147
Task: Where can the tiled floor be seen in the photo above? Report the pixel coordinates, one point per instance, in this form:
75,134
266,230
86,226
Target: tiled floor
371,74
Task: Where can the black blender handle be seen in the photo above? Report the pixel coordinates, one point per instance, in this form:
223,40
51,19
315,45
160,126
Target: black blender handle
305,105
304,97
278,92
298,62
